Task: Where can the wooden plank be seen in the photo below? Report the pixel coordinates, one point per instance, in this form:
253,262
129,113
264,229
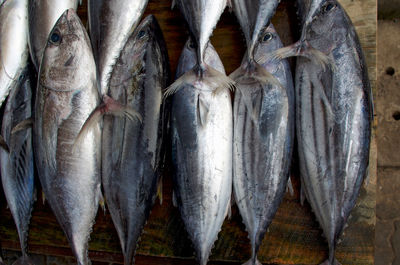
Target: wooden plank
294,236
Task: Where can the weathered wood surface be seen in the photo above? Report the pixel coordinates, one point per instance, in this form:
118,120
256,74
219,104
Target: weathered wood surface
294,236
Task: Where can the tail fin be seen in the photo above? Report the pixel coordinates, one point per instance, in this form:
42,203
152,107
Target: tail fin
109,106
210,76
24,260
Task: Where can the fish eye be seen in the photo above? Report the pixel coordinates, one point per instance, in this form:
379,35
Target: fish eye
55,38
267,37
328,7
141,34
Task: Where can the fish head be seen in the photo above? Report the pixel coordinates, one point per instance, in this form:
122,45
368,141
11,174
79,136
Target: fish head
66,53
253,17
188,59
326,25
267,43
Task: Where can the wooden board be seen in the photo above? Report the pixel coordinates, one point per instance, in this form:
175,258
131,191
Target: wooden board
294,236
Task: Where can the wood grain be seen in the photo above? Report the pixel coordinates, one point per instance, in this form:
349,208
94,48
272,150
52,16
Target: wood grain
294,236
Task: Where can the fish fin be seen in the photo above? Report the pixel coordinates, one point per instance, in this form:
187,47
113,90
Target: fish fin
173,4
218,80
320,89
23,125
188,77
252,262
3,144
202,110
289,187
174,200
261,75
335,262
23,260
108,107
302,196
160,190
300,49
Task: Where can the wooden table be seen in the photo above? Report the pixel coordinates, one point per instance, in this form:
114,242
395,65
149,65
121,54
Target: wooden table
294,236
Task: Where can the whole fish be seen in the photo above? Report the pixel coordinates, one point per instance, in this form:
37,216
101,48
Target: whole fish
66,95
201,129
201,17
333,114
132,149
13,43
17,173
43,14
110,24
263,116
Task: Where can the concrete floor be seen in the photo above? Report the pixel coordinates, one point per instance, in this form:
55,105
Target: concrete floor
387,102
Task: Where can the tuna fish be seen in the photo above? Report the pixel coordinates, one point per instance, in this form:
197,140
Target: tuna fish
263,139
66,95
201,128
43,14
17,173
132,149
13,43
201,16
110,24
334,114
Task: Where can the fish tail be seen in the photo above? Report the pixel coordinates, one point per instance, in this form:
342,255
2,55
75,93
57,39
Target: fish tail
110,107
208,75
23,260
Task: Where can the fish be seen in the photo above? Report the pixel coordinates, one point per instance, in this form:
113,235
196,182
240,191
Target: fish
17,170
201,131
111,23
14,52
132,150
43,14
263,115
201,17
333,114
66,95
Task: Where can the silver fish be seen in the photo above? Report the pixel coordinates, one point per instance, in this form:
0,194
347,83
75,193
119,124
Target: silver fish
66,95
13,43
43,14
110,25
201,128
132,149
334,114
17,172
253,16
263,116
202,17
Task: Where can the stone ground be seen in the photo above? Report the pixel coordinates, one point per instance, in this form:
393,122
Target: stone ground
387,102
